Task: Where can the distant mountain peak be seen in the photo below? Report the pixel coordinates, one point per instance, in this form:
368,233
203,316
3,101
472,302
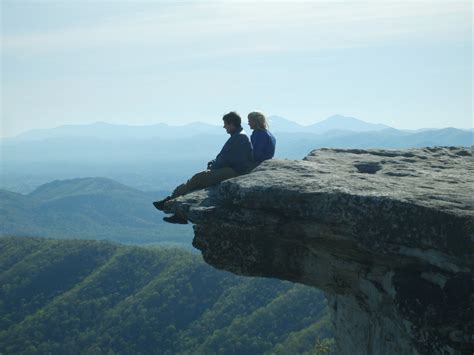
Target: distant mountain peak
335,122
347,123
282,124
336,116
341,117
78,186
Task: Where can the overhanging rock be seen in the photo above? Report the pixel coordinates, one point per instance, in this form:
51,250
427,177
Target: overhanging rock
388,235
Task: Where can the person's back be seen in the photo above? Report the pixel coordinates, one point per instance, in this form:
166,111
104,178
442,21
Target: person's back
263,142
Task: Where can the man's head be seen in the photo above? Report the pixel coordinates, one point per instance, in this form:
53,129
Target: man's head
232,122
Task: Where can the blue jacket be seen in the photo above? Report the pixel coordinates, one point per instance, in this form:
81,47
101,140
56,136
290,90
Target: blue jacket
236,153
263,143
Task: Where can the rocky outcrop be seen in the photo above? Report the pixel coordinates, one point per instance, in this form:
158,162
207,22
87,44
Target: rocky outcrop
388,235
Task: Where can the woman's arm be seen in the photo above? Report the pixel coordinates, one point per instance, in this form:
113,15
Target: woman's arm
259,144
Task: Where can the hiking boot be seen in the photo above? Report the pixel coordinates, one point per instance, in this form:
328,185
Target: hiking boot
160,205
175,219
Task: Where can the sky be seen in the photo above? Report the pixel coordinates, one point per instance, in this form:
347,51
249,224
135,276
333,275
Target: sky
405,64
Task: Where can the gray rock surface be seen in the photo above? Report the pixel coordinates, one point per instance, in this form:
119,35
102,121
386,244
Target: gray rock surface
388,235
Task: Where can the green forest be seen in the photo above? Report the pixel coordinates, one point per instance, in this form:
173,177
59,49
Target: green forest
89,208
98,297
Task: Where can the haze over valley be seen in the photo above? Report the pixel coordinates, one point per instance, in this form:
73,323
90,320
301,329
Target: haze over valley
156,157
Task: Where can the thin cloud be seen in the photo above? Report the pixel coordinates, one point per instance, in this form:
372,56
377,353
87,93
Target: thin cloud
264,27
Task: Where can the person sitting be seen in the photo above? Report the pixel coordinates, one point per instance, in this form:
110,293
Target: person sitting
263,142
235,158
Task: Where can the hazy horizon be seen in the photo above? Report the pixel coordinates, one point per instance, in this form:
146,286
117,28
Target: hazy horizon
407,65
217,123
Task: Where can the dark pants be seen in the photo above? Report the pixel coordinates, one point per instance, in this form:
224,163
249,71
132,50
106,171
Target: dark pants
204,179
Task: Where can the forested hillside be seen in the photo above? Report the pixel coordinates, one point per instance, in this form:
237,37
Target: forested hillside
79,296
89,208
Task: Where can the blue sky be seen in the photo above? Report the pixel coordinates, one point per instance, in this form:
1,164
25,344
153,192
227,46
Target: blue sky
405,64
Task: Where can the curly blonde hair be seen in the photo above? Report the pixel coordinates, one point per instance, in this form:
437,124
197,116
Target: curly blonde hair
259,119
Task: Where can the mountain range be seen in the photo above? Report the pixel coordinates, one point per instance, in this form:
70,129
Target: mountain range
159,157
89,208
332,123
105,130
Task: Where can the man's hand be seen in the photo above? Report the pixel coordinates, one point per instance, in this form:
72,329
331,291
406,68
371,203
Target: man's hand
209,165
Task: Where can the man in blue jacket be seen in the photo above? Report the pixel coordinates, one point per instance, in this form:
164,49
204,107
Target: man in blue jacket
235,158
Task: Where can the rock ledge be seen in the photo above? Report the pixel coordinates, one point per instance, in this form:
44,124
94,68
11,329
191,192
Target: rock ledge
388,235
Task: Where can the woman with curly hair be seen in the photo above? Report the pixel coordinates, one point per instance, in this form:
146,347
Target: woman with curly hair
263,142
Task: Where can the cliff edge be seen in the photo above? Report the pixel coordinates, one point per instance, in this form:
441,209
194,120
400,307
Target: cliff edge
388,235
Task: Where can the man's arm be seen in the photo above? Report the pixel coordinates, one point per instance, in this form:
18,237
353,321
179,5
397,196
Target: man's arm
232,153
223,159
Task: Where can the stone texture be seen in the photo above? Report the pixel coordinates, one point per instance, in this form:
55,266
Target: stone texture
388,235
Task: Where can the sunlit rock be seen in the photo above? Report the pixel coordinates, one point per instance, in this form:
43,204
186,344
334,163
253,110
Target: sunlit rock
388,235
